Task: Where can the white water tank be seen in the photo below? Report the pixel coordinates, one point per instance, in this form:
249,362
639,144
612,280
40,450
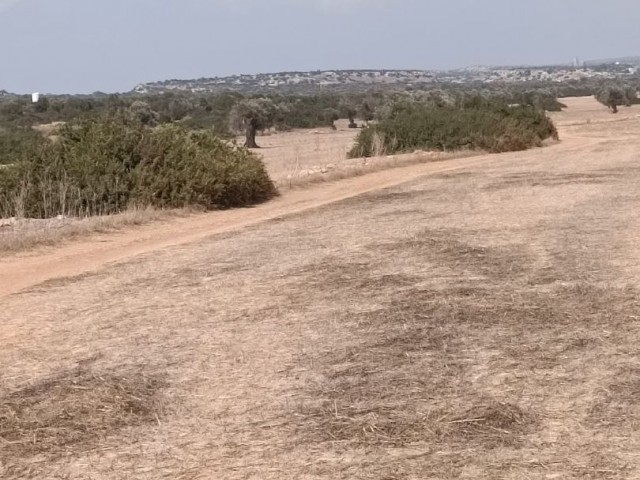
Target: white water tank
35,97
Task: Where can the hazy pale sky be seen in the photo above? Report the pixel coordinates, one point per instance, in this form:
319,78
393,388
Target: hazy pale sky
82,46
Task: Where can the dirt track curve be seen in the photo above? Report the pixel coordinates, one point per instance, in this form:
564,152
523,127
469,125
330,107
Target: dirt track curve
79,257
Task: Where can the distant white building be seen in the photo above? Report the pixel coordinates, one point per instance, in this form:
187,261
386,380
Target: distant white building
35,97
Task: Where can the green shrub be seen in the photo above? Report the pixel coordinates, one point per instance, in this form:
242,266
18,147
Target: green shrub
614,96
483,125
104,166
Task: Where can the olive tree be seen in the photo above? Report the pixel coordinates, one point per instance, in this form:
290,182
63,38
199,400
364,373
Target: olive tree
251,115
612,97
366,112
349,108
330,116
142,112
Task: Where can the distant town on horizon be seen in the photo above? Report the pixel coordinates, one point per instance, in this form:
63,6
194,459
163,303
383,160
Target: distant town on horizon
362,79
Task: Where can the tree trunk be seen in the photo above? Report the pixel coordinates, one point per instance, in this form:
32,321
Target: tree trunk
614,108
251,137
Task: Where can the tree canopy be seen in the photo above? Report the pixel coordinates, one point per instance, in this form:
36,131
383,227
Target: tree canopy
250,116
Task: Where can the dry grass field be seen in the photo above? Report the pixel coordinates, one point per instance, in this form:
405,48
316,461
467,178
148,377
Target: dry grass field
301,157
292,156
476,322
24,234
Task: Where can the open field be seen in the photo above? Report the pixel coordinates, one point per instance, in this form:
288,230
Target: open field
292,156
302,157
479,320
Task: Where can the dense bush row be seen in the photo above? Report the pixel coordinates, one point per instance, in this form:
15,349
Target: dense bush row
484,125
105,166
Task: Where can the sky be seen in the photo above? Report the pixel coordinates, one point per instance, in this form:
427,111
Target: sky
83,46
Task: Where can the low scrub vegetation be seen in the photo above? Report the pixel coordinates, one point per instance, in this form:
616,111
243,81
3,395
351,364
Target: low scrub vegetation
476,125
12,139
197,111
97,167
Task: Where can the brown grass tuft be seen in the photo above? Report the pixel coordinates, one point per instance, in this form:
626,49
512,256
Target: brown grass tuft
20,235
619,402
491,424
546,179
445,247
74,409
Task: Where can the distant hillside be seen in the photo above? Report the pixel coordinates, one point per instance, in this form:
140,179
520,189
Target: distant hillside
294,81
353,81
360,80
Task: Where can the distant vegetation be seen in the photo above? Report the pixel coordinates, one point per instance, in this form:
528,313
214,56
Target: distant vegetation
228,114
105,166
13,139
470,123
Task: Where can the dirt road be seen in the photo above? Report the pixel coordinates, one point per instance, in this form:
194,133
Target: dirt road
21,271
477,318
18,272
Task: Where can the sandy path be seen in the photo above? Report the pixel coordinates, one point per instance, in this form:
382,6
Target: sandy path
23,271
